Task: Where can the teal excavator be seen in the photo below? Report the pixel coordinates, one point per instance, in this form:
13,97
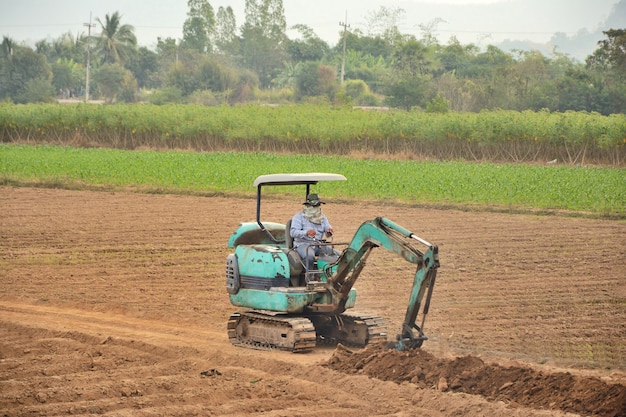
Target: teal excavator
282,308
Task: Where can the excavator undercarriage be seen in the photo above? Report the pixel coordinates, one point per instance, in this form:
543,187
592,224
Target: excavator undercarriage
266,330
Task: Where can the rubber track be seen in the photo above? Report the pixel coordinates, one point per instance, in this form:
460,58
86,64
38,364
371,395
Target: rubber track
376,330
304,336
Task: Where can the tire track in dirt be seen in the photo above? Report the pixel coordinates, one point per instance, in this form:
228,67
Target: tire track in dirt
80,362
62,361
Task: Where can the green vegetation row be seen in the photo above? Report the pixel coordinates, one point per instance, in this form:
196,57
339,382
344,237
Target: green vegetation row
594,190
497,136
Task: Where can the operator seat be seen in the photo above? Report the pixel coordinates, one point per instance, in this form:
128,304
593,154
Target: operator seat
295,262
288,238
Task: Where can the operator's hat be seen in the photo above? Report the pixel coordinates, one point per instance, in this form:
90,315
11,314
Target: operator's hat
313,200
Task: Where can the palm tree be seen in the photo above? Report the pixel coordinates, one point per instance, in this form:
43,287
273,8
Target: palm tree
7,47
117,41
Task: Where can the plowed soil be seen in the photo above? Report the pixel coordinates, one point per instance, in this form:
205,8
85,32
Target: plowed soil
114,303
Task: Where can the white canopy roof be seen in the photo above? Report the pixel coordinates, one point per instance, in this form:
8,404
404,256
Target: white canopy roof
296,179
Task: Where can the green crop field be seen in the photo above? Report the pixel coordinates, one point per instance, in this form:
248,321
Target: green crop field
599,191
489,136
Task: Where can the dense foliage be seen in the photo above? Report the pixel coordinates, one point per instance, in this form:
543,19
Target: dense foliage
501,186
497,136
220,61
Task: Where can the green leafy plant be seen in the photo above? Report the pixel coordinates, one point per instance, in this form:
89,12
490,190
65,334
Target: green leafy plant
598,190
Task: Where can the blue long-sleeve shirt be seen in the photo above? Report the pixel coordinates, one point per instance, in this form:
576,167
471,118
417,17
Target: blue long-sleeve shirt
300,225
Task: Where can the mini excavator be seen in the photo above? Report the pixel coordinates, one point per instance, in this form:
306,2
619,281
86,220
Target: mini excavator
283,308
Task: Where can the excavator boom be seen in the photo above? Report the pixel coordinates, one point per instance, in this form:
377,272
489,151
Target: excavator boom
384,233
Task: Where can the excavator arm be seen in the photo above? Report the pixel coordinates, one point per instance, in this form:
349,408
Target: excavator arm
386,234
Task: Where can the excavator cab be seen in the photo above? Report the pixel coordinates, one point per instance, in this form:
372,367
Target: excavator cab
274,236
284,309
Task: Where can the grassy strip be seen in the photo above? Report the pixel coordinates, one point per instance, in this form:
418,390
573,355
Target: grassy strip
601,191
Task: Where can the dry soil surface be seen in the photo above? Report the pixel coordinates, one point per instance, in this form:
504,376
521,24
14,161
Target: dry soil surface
114,303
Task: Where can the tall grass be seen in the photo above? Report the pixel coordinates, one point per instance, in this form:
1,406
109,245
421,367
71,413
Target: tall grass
495,136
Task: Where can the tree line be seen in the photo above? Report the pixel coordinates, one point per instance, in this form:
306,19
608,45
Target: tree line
219,61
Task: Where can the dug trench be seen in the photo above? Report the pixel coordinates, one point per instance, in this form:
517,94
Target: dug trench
514,385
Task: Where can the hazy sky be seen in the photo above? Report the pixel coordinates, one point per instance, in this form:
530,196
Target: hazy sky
471,21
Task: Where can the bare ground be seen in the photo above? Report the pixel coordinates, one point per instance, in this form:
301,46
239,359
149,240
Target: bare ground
114,304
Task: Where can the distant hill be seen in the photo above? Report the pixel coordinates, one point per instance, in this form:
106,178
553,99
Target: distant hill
578,46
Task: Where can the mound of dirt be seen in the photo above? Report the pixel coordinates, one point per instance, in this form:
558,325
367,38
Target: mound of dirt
469,374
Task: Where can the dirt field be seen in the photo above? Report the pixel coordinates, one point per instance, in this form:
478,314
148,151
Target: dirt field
115,303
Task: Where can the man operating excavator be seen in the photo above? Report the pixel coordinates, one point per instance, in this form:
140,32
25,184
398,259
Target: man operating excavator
308,227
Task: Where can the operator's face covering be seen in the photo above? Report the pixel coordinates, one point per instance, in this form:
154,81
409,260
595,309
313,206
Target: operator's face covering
313,213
